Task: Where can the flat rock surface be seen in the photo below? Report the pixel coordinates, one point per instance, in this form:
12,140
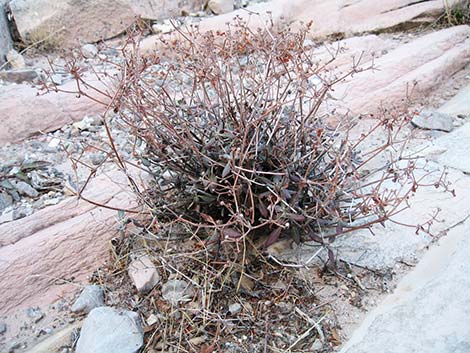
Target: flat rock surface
452,150
459,104
106,330
430,308
69,240
23,112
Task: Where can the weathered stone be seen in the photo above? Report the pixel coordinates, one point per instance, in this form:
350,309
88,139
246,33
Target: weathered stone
3,328
220,6
432,120
234,308
38,249
56,342
175,291
89,21
435,291
5,201
15,59
91,297
143,274
106,330
451,150
459,105
51,111
19,76
24,188
415,64
89,51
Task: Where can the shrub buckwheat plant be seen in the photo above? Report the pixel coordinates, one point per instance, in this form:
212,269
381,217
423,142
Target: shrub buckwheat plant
234,129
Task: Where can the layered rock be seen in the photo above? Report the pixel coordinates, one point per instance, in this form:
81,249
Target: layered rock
40,254
89,21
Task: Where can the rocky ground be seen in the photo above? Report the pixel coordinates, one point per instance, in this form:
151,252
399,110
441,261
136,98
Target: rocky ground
389,288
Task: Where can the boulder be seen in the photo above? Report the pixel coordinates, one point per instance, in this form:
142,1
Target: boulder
459,105
107,330
65,22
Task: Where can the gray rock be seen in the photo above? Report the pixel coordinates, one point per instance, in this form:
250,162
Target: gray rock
433,120
459,105
451,150
89,51
107,330
35,313
175,291
5,201
3,328
19,76
91,297
24,188
143,274
430,308
234,308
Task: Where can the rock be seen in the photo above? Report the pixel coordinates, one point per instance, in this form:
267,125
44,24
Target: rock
91,297
234,308
56,341
143,274
51,110
436,290
89,51
3,328
459,105
451,150
89,21
432,120
5,201
175,291
15,59
107,330
163,28
57,79
45,245
415,63
35,313
220,6
152,319
24,188
19,76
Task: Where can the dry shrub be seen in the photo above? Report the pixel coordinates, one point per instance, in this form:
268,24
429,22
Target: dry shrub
233,128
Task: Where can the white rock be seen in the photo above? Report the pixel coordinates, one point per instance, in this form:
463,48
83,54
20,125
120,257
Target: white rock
175,291
234,308
106,330
163,28
143,274
91,297
89,51
433,120
15,59
220,6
